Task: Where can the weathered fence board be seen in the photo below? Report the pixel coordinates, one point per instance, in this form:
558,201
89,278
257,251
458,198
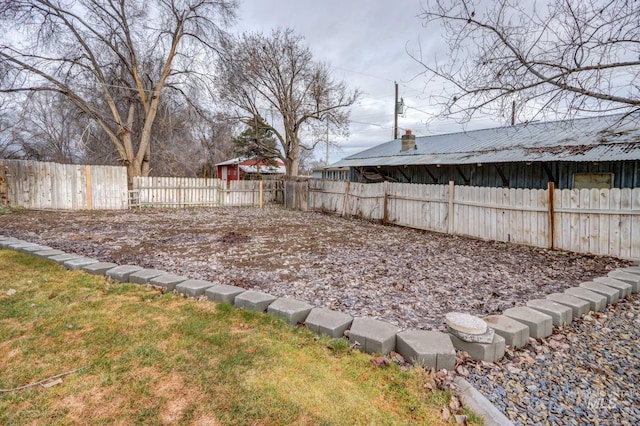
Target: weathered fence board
597,221
192,192
40,185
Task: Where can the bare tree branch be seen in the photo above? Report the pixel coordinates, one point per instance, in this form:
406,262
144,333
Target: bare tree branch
575,56
111,58
273,81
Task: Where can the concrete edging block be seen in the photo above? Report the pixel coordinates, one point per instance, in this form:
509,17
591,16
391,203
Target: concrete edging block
328,322
631,270
431,349
624,288
46,254
143,276
121,273
254,301
223,293
78,263
99,268
627,277
61,258
560,314
19,245
193,288
8,241
514,333
540,325
612,294
374,336
480,405
292,310
578,306
167,281
33,249
488,352
597,302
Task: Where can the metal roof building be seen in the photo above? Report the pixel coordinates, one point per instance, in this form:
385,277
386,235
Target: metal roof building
589,152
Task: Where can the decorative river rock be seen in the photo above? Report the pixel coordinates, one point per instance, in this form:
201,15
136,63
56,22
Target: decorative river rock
466,323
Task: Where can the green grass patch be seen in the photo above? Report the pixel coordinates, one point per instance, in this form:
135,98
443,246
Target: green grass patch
153,358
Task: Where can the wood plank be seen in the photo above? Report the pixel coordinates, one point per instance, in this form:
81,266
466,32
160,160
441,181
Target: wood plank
614,223
635,224
584,203
493,214
574,198
603,223
544,233
594,221
625,224
512,234
526,217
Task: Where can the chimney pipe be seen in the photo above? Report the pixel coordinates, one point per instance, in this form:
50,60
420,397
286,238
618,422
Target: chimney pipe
408,141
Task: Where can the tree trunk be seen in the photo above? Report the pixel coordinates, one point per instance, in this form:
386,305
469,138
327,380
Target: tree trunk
292,161
134,169
291,164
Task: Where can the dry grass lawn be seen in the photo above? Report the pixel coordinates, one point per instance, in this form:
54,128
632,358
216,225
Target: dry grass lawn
153,358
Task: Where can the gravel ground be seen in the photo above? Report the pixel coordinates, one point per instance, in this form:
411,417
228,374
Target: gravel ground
585,374
406,277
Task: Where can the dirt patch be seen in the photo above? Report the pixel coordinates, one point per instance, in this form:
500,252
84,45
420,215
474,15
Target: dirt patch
407,277
234,238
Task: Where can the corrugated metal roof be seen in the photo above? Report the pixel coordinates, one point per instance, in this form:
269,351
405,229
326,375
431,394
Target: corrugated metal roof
607,138
263,169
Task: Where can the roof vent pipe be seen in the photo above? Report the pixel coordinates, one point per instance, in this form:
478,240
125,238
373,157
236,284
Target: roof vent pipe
408,141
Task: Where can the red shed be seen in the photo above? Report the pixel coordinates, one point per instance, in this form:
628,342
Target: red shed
247,168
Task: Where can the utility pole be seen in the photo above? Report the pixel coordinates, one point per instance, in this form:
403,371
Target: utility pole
513,113
395,114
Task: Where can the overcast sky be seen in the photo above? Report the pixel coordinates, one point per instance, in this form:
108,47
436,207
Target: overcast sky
365,42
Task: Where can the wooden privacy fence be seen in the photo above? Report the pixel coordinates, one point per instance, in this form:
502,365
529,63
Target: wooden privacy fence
191,192
39,185
597,221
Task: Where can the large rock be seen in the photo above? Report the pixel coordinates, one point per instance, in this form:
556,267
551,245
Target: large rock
466,323
487,337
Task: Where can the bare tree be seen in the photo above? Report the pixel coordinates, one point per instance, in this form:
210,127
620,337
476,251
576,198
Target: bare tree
215,134
8,147
566,57
274,84
111,58
49,128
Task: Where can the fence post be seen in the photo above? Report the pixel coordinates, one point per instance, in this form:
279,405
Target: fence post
385,202
307,192
551,189
345,203
450,214
4,185
261,196
87,169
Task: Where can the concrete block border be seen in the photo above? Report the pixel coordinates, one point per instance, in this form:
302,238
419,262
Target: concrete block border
480,405
384,336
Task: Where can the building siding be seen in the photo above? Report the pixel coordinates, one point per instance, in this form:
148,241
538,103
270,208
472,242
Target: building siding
519,175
